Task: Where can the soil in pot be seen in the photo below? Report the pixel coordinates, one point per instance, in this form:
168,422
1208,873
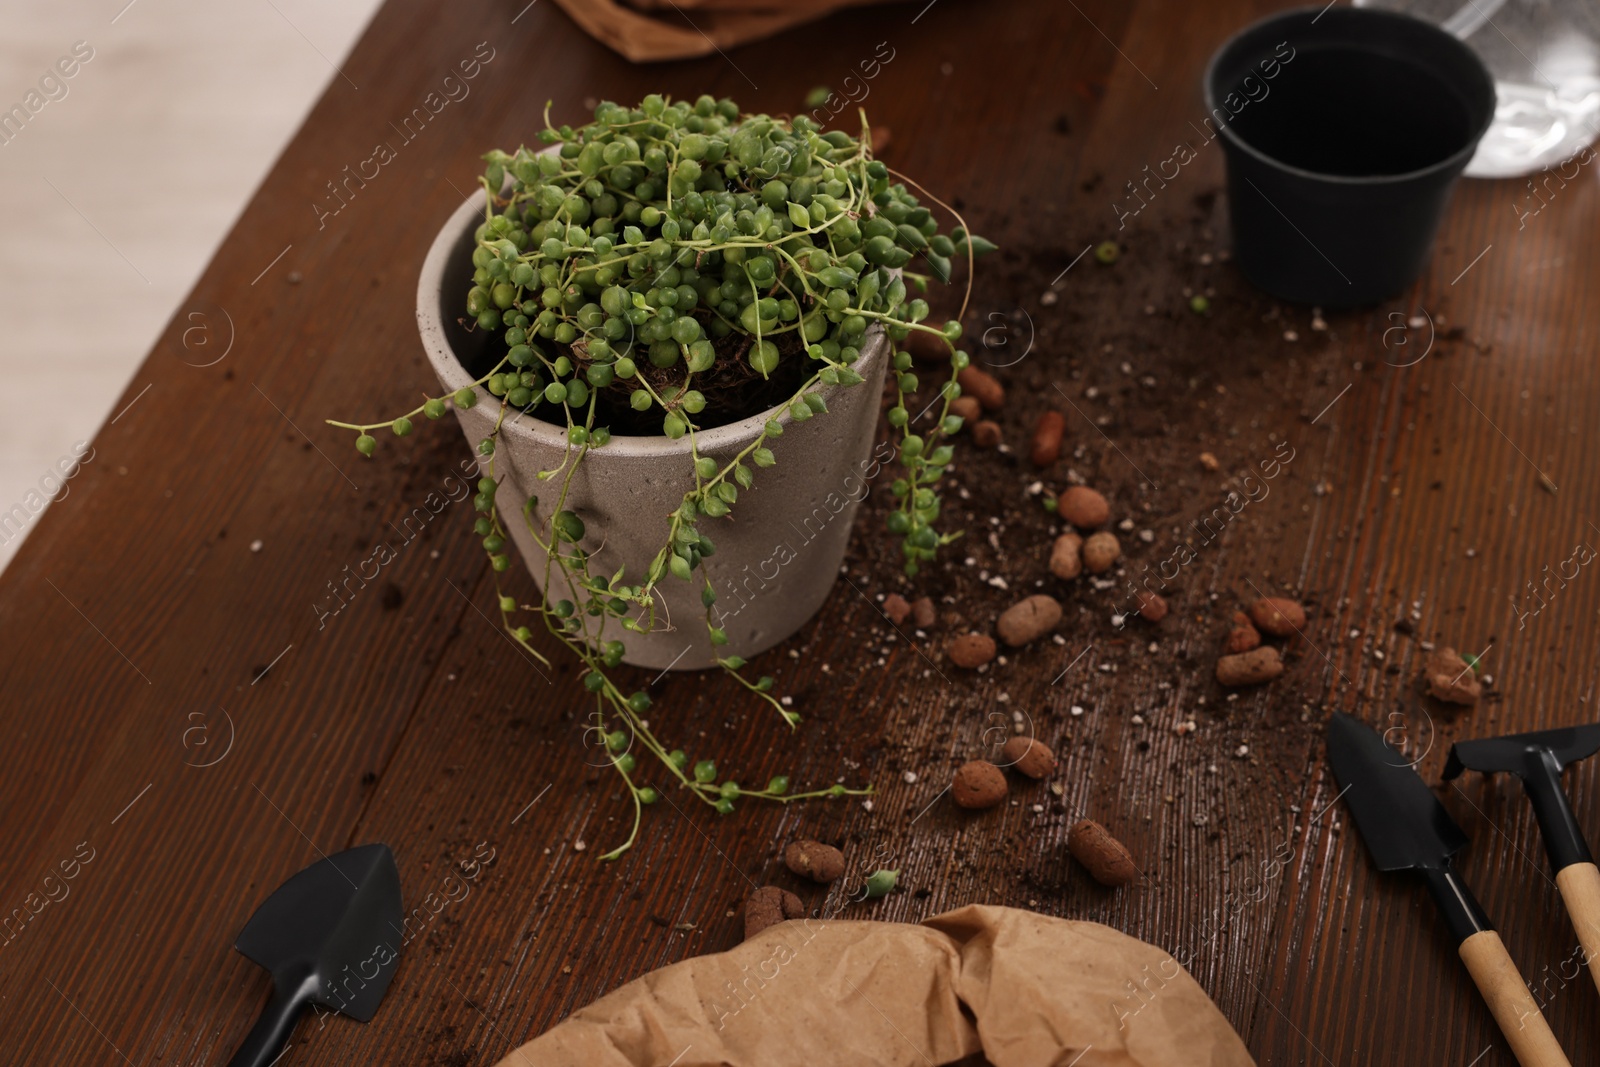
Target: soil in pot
733,389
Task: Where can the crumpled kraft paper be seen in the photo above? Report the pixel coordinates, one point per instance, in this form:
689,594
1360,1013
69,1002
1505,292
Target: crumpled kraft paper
978,985
645,31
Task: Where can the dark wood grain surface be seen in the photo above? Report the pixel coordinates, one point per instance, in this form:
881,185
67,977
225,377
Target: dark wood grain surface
182,731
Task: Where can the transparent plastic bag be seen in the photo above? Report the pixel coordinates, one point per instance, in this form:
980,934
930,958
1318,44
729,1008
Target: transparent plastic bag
1545,58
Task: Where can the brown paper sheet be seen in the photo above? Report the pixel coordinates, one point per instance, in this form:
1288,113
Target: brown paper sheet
1016,988
648,30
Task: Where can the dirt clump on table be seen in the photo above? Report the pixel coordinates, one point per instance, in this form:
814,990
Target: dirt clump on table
1450,678
769,906
1242,637
897,608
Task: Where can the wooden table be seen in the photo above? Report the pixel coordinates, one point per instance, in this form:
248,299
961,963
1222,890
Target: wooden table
179,723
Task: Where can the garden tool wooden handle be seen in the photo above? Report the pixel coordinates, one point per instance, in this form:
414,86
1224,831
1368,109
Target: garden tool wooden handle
1580,889
1508,998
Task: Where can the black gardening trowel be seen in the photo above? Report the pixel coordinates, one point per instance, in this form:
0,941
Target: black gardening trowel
1538,759
330,936
1407,829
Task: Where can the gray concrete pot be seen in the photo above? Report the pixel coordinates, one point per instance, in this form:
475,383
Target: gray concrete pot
779,550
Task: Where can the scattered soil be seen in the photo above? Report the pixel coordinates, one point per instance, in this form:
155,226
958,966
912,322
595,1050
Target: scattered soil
1166,407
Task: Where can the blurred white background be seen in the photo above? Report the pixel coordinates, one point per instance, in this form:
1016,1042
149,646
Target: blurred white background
116,193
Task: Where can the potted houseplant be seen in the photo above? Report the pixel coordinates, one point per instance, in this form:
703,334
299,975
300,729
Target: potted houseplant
627,322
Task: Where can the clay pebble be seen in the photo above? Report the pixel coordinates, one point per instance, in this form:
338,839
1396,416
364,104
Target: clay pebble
1045,447
971,650
1028,620
769,906
978,784
1101,552
1152,606
967,409
986,433
1250,668
1029,756
814,860
1083,507
1106,858
1278,616
983,387
1066,556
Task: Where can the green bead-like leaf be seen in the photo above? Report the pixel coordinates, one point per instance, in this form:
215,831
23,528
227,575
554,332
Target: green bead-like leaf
977,244
880,882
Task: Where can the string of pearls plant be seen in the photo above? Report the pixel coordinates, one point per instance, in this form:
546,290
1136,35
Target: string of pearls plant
660,253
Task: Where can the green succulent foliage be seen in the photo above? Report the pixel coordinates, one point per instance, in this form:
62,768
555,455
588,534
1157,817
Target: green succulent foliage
651,233
633,255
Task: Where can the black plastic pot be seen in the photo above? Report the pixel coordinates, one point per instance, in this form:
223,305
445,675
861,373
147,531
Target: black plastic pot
1344,130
